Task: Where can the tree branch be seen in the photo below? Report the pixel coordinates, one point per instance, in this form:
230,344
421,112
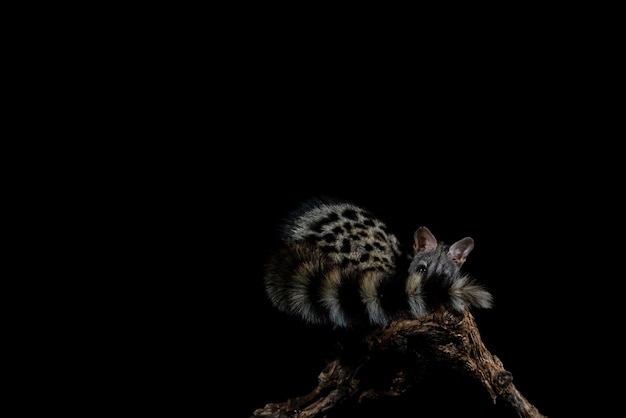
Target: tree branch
388,361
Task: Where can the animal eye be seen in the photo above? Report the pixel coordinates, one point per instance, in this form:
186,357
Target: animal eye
421,269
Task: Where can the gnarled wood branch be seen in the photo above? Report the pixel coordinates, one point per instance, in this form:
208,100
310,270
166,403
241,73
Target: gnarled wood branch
359,372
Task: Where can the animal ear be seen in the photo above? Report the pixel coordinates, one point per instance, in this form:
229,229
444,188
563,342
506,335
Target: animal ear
423,240
460,249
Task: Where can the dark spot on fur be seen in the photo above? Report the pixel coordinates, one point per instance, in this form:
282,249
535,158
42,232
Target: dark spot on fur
329,238
380,236
358,225
380,246
328,249
350,214
318,226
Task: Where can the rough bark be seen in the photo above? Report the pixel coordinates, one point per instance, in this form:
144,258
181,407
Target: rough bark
360,371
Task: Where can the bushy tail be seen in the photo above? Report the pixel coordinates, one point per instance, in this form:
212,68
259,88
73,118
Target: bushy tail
301,280
466,293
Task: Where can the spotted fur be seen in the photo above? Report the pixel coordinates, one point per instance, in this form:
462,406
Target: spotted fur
339,265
